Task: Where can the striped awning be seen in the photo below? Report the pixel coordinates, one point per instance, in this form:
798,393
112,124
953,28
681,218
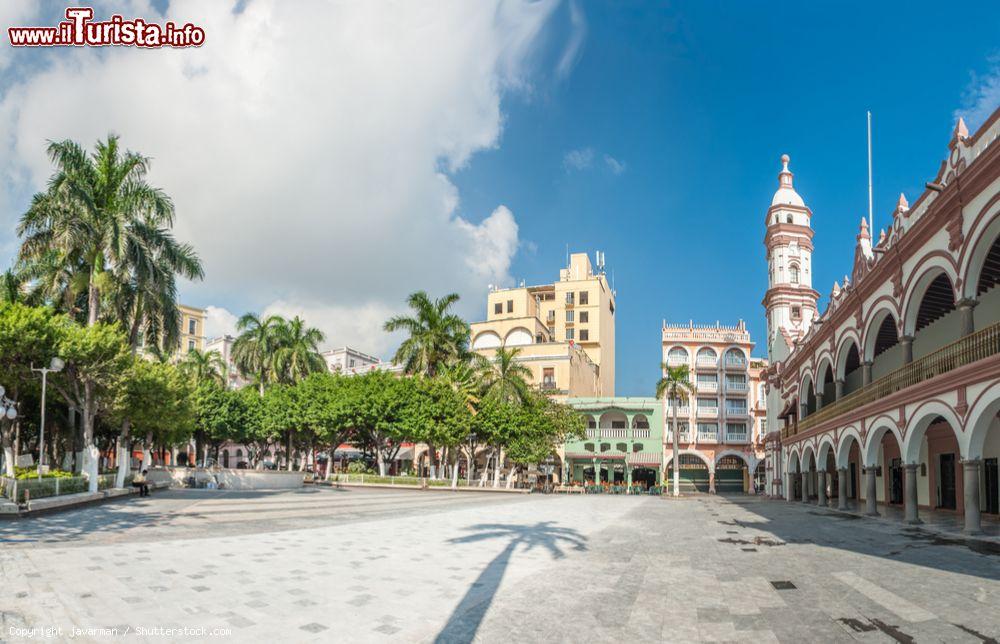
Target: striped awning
644,458
589,456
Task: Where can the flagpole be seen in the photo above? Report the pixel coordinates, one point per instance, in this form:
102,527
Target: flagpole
871,222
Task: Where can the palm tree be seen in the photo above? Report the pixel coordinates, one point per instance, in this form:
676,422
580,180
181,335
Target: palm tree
254,348
436,336
504,377
464,379
675,386
204,366
297,351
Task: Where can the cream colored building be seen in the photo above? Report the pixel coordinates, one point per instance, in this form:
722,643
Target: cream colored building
565,330
192,329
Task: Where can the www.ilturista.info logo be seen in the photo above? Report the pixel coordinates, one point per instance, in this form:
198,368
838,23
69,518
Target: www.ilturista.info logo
79,30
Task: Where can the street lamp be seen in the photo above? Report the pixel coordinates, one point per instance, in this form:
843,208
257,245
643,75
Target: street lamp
55,366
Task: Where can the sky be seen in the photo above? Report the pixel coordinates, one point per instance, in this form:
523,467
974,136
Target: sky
327,159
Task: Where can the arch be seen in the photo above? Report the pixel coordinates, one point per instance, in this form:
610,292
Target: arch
826,447
921,419
707,353
677,353
689,452
807,395
845,359
793,273
848,436
881,333
981,417
917,306
986,245
640,421
518,337
793,461
824,380
880,427
750,460
608,419
808,458
736,352
486,340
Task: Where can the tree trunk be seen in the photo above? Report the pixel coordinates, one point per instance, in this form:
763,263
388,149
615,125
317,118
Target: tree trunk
496,468
8,460
432,460
380,459
329,463
677,449
288,451
454,470
469,473
91,455
124,454
93,301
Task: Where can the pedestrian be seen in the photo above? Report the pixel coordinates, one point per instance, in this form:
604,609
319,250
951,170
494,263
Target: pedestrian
139,481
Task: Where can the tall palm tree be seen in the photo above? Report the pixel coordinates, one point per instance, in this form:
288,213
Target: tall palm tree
504,377
296,352
676,387
254,348
436,336
204,366
463,378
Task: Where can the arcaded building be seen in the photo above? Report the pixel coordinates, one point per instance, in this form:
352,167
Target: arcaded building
891,395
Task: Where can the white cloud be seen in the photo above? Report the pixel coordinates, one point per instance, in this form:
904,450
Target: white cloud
219,322
614,165
574,45
307,146
982,97
580,159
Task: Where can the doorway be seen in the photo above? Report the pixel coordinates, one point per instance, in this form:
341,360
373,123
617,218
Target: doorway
948,481
896,481
992,486
852,486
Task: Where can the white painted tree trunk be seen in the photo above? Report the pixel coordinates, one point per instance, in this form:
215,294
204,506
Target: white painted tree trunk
8,461
329,466
496,468
381,462
91,458
510,479
454,474
124,465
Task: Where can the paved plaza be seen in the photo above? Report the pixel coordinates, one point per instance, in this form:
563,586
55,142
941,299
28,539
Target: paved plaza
406,566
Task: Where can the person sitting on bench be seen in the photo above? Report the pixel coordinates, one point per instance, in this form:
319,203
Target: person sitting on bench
139,481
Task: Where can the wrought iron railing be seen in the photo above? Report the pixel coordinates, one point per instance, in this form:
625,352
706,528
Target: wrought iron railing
972,348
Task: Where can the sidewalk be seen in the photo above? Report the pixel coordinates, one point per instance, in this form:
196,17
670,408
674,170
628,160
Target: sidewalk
938,521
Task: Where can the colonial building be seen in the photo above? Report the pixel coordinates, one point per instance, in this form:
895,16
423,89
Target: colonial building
192,329
720,424
623,446
565,331
891,395
348,361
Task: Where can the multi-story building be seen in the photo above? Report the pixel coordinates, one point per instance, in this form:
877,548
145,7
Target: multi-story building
565,331
224,346
891,395
348,361
192,329
719,424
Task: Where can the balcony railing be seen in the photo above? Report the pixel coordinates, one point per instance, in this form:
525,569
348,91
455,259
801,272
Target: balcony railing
972,348
736,411
736,437
705,361
614,432
683,437
708,437
682,411
548,385
708,412
737,387
676,361
737,363
641,433
708,385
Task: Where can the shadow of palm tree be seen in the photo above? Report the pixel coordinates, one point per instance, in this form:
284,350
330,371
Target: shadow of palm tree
468,615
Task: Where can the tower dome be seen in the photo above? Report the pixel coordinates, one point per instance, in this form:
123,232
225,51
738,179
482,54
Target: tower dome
785,195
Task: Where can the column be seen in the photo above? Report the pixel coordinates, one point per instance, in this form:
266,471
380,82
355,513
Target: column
910,475
970,469
965,307
805,487
842,488
711,481
838,392
597,472
803,409
821,488
628,475
907,342
871,508
866,373
788,486
819,400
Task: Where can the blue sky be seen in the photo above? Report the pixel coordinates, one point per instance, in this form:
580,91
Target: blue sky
698,100
327,159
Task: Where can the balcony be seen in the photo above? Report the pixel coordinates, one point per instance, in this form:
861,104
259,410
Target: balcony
676,360
548,385
641,433
736,363
706,362
682,412
736,412
614,432
737,437
709,386
708,412
737,387
593,432
972,348
682,437
708,437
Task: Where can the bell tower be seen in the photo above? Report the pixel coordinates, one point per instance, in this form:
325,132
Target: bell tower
790,301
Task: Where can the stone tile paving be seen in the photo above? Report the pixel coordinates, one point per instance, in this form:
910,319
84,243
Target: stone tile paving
399,566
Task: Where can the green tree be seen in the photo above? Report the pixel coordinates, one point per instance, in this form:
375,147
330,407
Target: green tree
217,414
441,416
326,401
504,377
674,386
203,366
255,347
296,352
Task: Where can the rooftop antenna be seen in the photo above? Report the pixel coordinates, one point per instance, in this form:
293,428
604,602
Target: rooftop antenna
871,223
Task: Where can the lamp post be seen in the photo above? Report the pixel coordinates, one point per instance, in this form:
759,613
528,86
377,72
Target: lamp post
55,366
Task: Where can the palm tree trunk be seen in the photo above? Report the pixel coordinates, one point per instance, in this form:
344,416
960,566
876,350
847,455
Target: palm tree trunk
124,454
93,301
677,447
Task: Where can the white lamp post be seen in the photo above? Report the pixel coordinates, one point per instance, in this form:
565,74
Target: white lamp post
55,366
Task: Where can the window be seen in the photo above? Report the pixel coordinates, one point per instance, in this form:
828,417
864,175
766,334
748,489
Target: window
549,378
552,332
569,334
239,452
192,327
190,346
793,273
498,308
789,219
352,363
569,316
584,335
584,316
569,297
584,297
796,313
707,403
510,306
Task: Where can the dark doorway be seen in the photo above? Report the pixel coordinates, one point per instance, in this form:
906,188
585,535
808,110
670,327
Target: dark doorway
644,476
948,481
896,481
992,486
852,484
